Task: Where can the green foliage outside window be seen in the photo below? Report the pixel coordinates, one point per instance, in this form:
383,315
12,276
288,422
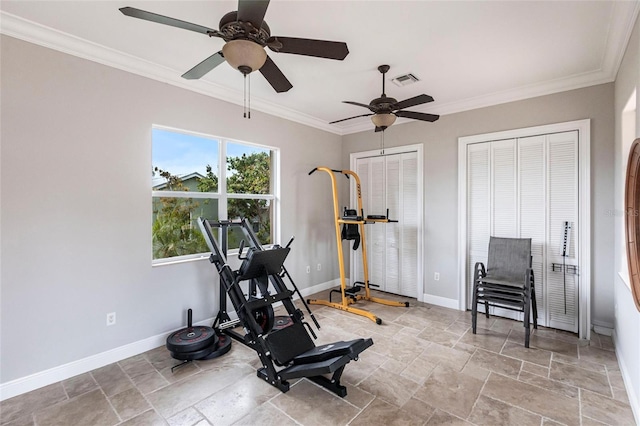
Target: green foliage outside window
250,175
175,231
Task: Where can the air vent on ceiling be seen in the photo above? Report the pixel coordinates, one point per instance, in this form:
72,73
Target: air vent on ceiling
405,79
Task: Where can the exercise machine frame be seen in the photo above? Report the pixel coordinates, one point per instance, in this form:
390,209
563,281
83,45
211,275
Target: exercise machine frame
289,346
350,295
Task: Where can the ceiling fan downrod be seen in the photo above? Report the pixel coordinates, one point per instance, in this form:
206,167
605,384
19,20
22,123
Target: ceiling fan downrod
383,69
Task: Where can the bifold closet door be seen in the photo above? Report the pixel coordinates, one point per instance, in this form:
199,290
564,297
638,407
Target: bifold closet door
371,172
528,188
562,199
532,154
390,182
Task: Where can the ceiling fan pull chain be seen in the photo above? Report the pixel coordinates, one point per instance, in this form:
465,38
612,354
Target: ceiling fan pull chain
244,99
382,148
249,98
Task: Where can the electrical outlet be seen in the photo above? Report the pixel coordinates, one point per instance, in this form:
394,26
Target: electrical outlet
308,269
111,318
318,266
436,276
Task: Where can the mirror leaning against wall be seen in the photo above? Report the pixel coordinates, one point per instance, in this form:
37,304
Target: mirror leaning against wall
632,219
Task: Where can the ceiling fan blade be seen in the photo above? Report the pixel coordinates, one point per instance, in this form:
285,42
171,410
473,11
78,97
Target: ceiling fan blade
274,76
416,100
369,107
160,19
318,48
204,67
345,119
252,11
417,115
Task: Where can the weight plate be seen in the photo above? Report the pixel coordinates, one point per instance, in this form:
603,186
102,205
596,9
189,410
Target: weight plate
264,316
222,347
191,339
193,355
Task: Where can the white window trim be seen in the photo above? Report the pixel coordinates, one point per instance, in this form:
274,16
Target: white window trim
584,190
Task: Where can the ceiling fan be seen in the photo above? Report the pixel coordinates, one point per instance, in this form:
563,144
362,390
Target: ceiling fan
384,109
246,34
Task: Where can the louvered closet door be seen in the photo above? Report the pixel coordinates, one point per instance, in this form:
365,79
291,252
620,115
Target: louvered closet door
478,208
532,206
371,173
409,224
390,182
527,188
562,199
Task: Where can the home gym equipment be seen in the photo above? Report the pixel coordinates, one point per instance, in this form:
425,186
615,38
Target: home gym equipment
353,229
282,341
196,343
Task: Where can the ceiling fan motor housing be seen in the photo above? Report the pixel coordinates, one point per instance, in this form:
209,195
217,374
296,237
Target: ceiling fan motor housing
232,29
383,104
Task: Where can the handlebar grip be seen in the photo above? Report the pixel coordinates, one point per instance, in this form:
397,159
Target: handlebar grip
290,241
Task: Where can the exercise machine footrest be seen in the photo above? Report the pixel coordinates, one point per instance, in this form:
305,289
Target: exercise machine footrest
351,348
314,369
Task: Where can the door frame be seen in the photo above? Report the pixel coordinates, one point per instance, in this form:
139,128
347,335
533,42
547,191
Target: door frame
418,148
583,127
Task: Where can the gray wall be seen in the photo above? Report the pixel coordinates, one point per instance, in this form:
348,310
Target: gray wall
627,333
75,185
440,141
76,206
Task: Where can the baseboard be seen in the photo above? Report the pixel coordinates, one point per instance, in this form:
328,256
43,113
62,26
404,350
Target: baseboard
442,301
605,330
66,371
633,398
319,287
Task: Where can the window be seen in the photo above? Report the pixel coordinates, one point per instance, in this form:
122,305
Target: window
196,175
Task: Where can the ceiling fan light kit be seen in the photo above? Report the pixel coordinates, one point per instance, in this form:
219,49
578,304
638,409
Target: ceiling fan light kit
385,110
243,55
383,120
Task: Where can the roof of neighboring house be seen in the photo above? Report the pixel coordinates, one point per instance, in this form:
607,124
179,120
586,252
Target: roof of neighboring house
158,182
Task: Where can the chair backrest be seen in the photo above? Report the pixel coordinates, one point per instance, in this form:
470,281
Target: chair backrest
509,258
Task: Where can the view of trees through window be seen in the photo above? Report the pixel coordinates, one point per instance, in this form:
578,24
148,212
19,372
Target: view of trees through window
187,174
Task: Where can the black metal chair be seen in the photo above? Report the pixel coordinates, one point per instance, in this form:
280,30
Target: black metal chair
507,282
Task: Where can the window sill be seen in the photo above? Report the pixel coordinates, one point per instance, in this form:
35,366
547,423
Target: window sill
180,259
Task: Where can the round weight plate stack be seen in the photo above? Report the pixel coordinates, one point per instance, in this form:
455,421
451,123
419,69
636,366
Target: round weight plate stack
191,339
192,343
198,354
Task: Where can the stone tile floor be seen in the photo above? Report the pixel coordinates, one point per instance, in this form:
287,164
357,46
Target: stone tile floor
425,368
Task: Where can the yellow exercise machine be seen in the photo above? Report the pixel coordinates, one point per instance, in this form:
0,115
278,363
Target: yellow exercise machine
351,218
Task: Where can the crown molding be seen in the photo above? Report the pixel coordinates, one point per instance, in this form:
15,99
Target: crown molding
622,20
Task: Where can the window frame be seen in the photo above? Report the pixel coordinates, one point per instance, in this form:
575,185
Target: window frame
222,196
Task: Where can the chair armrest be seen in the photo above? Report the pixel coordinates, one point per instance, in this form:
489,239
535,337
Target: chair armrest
529,277
479,271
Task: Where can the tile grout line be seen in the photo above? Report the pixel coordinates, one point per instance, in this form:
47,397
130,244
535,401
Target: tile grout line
481,389
111,405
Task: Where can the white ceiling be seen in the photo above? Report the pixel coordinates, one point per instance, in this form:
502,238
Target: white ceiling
466,54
